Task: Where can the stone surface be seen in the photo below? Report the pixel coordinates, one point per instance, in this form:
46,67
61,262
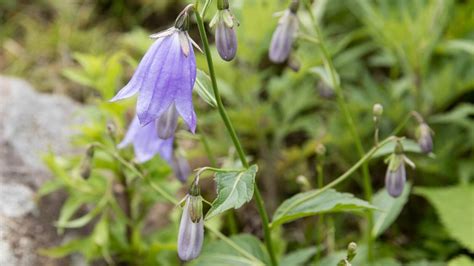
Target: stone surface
31,124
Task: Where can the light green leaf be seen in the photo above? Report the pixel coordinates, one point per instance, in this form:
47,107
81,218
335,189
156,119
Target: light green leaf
299,257
461,260
66,249
456,46
203,87
455,210
233,190
408,146
325,75
388,209
221,253
314,202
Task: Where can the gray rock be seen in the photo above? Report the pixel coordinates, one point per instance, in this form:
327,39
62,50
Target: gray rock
31,124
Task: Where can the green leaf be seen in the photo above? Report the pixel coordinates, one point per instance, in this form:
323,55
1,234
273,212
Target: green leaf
461,260
389,209
72,246
221,253
299,257
457,46
455,209
203,87
314,202
408,146
233,190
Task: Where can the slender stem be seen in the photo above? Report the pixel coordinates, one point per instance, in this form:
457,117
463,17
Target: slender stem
355,135
205,7
342,177
235,139
320,231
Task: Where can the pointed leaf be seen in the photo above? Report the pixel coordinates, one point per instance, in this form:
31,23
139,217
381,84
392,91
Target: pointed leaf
457,220
203,87
233,190
388,209
315,202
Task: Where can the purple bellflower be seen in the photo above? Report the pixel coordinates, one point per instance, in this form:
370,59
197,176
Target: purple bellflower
395,178
225,24
425,140
181,168
165,78
284,35
146,142
191,227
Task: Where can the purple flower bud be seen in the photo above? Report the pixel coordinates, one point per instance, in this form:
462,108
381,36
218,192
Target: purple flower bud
283,37
191,229
395,179
425,140
167,123
181,168
226,40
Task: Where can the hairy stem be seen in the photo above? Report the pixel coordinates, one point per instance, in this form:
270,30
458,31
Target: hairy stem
235,139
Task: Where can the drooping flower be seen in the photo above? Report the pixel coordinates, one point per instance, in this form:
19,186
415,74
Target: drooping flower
425,140
191,227
146,142
395,178
165,77
181,168
284,35
226,39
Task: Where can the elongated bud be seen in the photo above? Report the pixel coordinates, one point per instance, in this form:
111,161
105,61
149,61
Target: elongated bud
395,177
191,228
351,251
86,166
181,168
167,123
425,140
284,35
226,39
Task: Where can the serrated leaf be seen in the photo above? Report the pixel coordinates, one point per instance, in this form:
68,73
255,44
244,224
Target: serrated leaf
220,253
455,209
203,86
233,190
314,202
388,209
299,257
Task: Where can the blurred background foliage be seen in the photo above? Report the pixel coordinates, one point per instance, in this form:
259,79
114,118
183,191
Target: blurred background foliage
406,55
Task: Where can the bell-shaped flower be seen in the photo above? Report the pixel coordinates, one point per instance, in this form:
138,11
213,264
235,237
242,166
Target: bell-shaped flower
284,35
395,178
164,78
181,168
146,142
425,140
191,227
225,24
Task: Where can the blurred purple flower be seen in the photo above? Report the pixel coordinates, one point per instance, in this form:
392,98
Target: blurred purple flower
425,140
165,77
181,168
284,35
146,142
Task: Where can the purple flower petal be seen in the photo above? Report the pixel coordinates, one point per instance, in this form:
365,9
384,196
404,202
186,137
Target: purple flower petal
146,142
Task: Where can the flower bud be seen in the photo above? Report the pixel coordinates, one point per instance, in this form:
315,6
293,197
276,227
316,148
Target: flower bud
351,251
425,141
181,168
226,39
86,166
191,229
167,123
284,35
395,177
377,110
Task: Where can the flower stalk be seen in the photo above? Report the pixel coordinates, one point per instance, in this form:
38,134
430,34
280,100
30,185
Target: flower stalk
235,139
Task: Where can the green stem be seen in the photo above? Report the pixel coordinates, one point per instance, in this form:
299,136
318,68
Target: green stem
205,7
235,139
347,116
